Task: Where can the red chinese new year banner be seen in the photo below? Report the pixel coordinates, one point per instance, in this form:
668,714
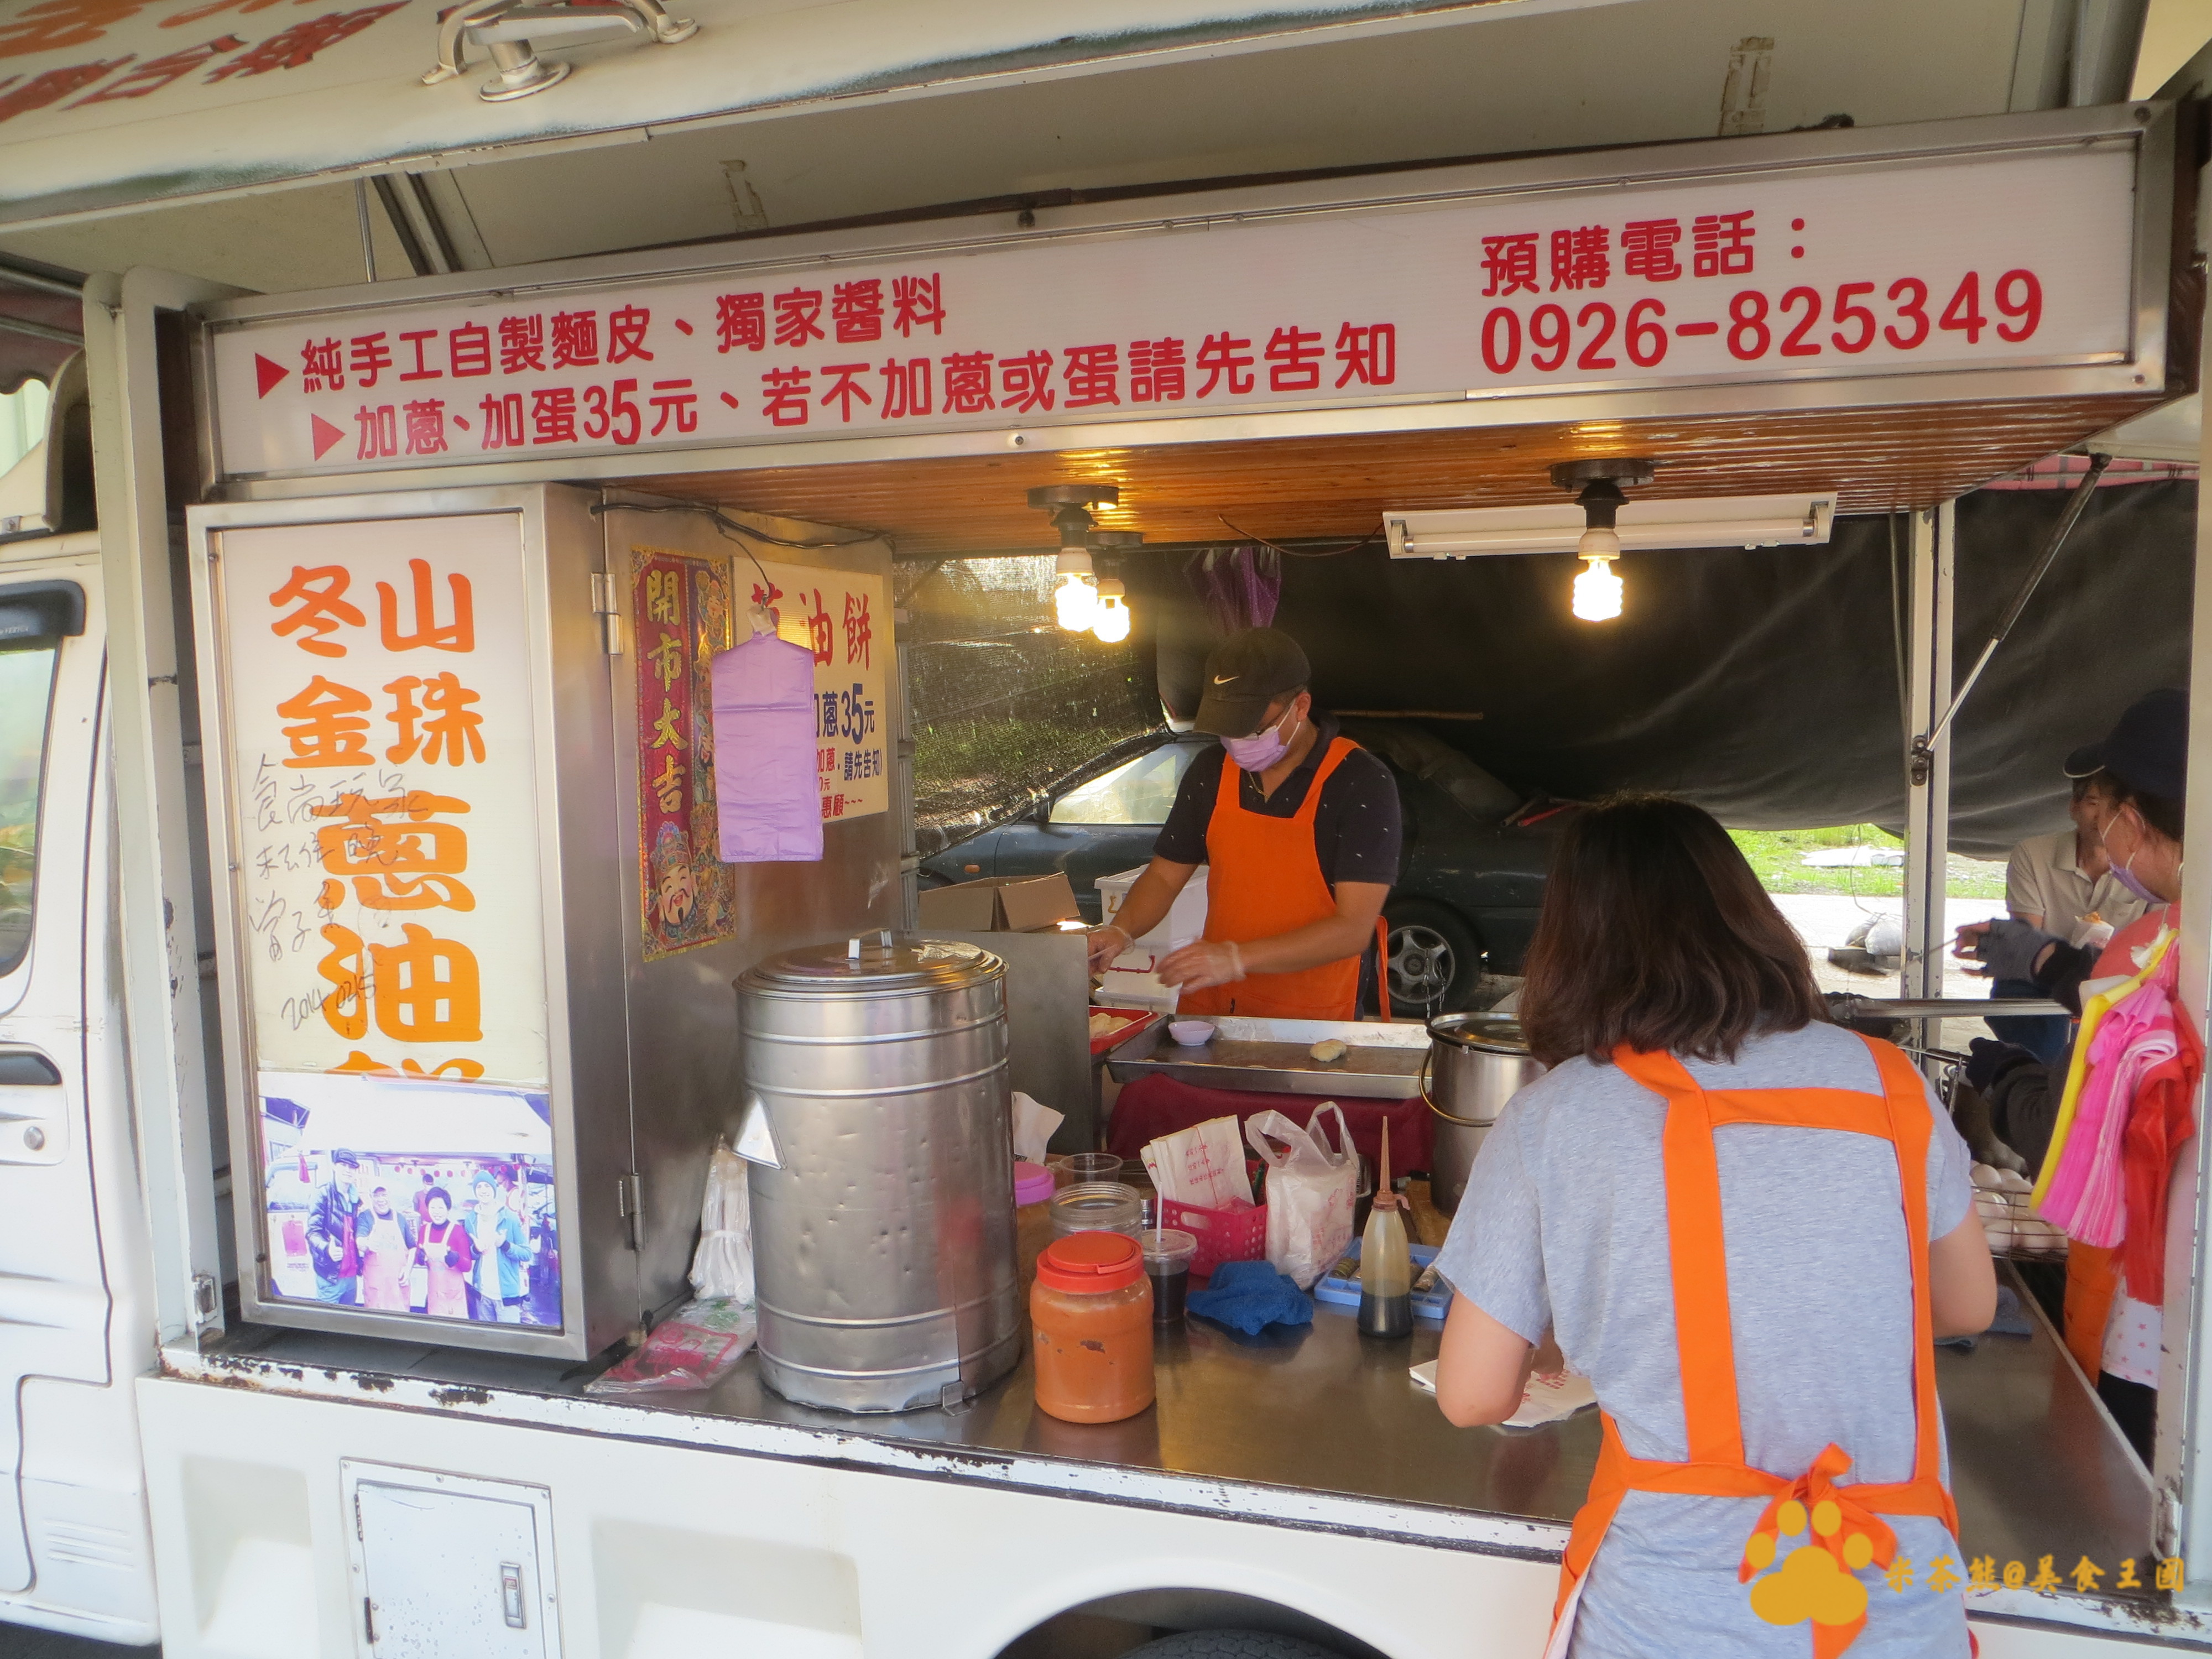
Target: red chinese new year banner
682,608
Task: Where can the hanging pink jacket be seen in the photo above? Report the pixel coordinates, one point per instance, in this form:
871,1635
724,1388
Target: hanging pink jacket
767,795
2134,1115
2135,1036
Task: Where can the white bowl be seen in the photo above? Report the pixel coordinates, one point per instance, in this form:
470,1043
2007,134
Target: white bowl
1190,1033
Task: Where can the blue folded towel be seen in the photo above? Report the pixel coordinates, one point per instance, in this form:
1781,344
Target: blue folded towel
1250,1296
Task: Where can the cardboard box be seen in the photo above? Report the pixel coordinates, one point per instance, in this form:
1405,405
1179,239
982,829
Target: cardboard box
998,904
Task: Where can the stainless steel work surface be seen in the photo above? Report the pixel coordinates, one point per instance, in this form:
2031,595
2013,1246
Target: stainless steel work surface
1381,1062
2037,1469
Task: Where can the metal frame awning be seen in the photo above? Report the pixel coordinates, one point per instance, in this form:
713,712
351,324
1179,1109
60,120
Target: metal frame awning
1889,439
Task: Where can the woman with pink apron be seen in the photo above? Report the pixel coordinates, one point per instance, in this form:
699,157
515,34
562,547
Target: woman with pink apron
447,1252
388,1255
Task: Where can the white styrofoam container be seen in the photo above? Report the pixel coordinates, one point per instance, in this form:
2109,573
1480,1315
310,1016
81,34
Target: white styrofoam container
1186,919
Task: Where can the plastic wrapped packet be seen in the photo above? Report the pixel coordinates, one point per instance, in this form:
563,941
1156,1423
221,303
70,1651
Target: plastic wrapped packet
694,1348
722,1266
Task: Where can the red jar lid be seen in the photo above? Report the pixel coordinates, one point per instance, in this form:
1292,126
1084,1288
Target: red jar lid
1090,1263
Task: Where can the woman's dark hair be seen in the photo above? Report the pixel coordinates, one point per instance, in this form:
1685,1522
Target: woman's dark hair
2162,812
1655,933
438,1192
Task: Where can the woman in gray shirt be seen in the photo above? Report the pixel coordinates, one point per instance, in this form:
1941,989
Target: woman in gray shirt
1708,1155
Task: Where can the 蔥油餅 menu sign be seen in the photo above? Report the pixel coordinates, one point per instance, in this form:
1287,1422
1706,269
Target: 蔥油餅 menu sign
1934,263
380,766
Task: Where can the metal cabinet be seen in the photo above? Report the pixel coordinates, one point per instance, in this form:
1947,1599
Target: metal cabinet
446,1566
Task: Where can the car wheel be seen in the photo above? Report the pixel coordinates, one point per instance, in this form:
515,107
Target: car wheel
1232,1644
1436,960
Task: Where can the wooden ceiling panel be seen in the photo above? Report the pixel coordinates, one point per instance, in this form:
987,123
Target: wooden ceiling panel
1880,460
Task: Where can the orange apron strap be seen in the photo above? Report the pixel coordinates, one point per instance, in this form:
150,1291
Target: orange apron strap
1382,968
1911,1128
1608,1486
1698,1259
1338,748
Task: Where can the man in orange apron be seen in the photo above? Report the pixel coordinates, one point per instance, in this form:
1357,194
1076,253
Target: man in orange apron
1299,830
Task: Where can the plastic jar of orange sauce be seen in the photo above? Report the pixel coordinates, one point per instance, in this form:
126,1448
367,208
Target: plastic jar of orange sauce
1091,1312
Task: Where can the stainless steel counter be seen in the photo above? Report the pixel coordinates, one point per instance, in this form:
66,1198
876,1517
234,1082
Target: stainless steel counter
1381,1061
2037,1469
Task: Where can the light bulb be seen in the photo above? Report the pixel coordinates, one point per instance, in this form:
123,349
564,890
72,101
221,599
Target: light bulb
1111,624
1075,601
1597,591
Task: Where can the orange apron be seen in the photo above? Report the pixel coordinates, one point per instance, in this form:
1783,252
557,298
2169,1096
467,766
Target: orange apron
1264,877
1843,1519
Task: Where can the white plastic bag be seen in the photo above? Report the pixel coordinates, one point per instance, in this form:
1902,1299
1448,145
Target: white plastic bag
1310,1191
722,1268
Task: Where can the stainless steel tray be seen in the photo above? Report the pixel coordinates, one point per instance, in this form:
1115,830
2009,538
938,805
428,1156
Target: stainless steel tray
1381,1062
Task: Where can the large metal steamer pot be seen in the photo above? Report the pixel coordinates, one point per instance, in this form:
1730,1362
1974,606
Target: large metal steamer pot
1476,1063
877,1122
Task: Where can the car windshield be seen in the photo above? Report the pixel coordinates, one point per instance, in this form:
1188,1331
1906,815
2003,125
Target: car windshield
1136,791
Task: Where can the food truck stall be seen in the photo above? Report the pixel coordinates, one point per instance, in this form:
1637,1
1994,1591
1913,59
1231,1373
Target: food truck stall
449,671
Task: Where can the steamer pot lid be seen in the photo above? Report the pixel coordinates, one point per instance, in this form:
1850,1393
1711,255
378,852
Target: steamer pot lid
1498,1034
875,960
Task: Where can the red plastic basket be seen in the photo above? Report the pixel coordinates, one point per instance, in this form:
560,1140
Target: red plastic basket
1133,1020
1239,1233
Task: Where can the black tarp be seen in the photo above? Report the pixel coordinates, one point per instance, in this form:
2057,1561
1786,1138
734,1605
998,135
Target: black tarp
1762,684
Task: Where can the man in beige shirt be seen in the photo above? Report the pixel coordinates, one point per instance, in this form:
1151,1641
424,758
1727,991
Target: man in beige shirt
2064,884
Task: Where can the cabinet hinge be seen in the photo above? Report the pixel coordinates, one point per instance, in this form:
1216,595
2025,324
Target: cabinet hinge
629,1196
607,606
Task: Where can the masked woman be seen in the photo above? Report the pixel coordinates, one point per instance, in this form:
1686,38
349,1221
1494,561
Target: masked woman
1746,1226
2121,1117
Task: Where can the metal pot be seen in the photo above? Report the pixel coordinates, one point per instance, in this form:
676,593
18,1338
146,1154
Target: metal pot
878,1123
1476,1063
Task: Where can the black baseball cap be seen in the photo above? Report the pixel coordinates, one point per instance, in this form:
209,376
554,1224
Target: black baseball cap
1244,674
2147,749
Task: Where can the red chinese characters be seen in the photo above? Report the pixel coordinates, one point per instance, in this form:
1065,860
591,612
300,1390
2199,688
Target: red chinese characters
856,311
846,388
1721,244
1647,249
1580,258
1509,264
740,322
296,47
1025,382
784,396
798,316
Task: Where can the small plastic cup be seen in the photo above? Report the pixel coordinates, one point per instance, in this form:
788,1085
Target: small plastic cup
1097,1207
1168,1254
1076,1168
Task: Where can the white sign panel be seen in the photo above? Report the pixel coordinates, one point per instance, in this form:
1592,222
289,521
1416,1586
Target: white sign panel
381,776
836,614
383,788
1982,263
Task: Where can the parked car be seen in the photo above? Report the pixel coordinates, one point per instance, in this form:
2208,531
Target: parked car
1466,895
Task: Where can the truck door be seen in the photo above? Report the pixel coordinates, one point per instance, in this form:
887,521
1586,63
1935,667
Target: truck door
54,1305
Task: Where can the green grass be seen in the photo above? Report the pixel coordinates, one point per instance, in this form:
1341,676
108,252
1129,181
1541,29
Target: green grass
1776,857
